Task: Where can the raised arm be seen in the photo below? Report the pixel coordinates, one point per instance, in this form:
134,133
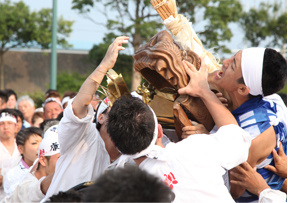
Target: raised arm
91,84
198,87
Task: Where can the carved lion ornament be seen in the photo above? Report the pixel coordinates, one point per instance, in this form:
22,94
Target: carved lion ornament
160,62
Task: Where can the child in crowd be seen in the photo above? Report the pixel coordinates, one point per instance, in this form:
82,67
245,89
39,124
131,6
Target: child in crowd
27,141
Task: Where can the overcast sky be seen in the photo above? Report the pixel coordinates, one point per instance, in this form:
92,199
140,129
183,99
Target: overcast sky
85,33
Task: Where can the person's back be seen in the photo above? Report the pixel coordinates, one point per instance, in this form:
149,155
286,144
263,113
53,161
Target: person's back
195,166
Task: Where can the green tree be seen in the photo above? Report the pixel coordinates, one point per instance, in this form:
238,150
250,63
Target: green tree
69,81
268,23
19,27
135,19
217,16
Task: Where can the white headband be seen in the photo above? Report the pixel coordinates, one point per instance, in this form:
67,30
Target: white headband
5,116
65,99
50,144
52,99
252,65
135,94
100,109
53,130
153,151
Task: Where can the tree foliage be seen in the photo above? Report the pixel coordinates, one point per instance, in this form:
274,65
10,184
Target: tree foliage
69,81
217,16
135,19
21,28
266,22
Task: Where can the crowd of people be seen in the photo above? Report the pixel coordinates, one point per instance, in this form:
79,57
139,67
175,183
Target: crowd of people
80,148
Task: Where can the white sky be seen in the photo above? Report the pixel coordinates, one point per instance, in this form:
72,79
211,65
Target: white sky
85,33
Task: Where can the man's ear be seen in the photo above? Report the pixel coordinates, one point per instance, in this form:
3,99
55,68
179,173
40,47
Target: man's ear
100,118
243,90
160,131
42,160
159,137
20,149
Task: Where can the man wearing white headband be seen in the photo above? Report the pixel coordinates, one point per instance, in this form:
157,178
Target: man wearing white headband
192,168
33,187
52,107
248,76
86,151
9,154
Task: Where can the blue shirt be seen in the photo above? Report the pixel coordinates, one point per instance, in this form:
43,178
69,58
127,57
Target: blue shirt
254,116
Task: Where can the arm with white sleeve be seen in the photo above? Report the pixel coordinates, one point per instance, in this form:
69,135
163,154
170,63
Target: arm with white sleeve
79,113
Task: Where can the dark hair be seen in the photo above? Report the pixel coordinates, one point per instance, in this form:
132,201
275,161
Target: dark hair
50,90
42,125
11,92
274,73
128,184
52,93
3,96
69,94
37,115
69,196
24,134
60,116
130,124
241,81
19,114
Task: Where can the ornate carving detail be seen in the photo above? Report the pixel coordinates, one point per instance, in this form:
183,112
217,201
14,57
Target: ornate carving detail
160,62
